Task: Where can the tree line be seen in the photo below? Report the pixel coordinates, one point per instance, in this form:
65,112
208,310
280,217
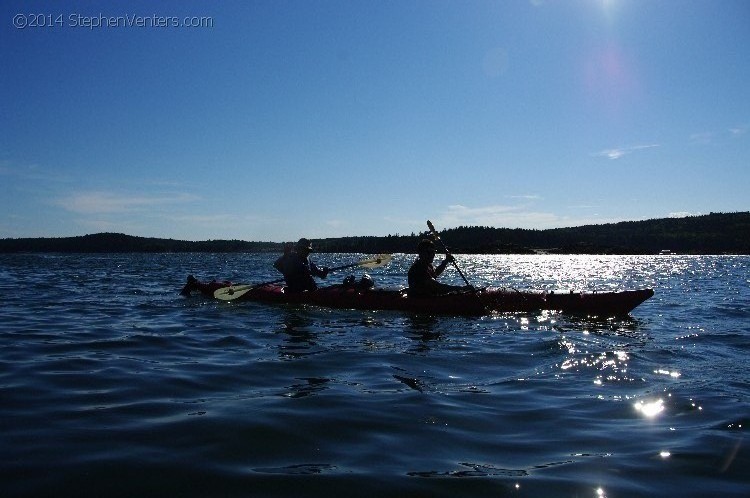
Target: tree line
715,233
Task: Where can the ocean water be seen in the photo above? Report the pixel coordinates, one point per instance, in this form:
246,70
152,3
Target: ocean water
111,384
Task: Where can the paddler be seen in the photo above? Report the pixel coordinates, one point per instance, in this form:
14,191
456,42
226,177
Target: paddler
297,268
423,274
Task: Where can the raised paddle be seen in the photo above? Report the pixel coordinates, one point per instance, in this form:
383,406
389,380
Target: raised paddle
448,253
432,229
235,291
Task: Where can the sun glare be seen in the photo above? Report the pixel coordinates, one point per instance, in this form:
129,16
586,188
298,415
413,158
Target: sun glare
650,410
608,6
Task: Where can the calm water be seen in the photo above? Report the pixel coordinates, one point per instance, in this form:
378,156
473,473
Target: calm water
113,385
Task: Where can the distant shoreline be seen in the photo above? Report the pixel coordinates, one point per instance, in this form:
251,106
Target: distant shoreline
715,233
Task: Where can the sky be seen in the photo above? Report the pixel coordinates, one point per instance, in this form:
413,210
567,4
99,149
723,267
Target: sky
273,120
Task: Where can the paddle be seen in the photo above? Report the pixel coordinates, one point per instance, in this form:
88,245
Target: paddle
448,253
235,291
432,229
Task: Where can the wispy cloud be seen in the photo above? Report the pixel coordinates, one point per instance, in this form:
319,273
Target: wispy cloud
497,215
100,202
713,137
682,214
619,152
522,216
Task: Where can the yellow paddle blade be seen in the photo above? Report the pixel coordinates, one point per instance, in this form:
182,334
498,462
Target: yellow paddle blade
376,261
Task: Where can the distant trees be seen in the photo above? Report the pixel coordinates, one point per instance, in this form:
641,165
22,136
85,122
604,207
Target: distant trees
117,242
715,233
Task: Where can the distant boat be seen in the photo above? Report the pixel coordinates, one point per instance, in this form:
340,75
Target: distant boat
665,252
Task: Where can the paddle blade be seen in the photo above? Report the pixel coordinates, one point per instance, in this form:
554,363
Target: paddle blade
231,293
376,261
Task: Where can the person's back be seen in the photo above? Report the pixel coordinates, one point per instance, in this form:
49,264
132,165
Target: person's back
296,273
421,275
298,270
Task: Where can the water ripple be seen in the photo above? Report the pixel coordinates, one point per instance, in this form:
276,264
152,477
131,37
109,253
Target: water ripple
112,384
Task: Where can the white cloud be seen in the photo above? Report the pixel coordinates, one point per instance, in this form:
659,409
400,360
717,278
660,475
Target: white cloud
682,214
521,216
619,152
500,216
713,137
612,153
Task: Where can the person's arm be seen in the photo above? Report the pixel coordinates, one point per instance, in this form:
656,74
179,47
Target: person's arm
432,287
319,272
448,259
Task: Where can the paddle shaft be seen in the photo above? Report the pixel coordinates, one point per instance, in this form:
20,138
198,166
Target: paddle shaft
238,288
447,252
432,229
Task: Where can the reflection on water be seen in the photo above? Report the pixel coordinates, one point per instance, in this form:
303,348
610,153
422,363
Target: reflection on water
308,387
649,409
549,273
423,329
109,378
298,335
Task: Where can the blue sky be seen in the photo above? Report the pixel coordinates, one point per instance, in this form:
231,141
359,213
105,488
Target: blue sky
335,118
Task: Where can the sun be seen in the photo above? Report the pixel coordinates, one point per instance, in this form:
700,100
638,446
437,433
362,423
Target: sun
608,8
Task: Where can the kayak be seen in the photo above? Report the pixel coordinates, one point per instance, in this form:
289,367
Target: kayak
468,303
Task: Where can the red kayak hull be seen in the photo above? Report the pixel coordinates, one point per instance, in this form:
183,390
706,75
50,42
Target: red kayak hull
482,302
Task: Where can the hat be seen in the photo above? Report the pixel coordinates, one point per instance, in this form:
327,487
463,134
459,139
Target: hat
304,243
424,245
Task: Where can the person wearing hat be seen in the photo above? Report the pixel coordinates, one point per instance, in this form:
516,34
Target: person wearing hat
297,268
423,274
